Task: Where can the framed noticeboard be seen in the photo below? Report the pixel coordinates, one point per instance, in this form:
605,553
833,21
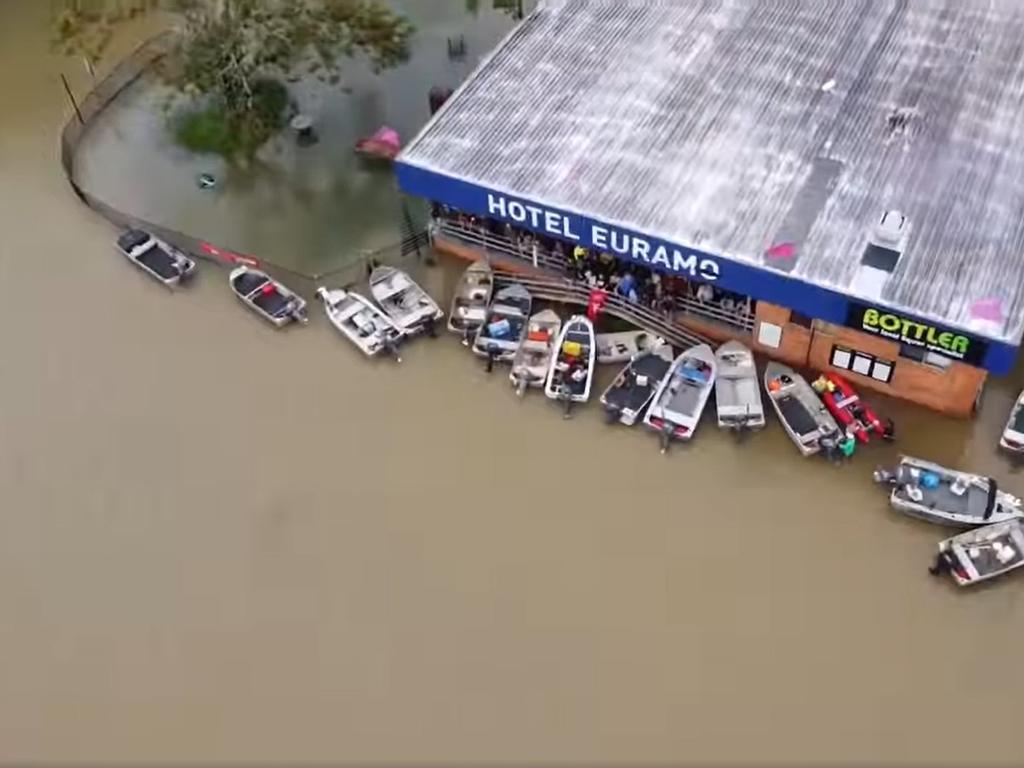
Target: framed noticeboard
862,364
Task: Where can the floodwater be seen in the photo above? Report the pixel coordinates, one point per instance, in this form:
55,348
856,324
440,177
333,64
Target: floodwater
311,209
223,542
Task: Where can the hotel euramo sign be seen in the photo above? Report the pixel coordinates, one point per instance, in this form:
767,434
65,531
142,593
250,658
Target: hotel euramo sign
741,277
647,251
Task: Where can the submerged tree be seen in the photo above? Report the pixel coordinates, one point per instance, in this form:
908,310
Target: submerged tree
232,51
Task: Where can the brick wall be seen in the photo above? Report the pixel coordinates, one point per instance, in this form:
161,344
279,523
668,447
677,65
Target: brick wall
952,390
796,339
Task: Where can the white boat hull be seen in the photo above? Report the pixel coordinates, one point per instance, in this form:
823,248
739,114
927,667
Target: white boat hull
360,321
533,358
402,299
679,402
737,390
287,305
577,329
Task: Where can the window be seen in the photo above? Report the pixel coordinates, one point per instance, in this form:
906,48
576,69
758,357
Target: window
862,364
797,319
882,371
769,335
841,357
925,356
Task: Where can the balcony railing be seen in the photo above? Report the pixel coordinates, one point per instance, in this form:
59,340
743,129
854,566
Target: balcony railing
541,258
573,292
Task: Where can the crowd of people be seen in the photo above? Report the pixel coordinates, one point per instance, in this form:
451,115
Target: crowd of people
633,282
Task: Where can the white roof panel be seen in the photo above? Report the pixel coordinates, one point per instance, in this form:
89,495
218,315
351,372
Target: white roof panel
732,125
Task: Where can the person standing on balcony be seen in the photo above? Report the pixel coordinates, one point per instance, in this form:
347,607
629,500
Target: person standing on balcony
577,261
627,287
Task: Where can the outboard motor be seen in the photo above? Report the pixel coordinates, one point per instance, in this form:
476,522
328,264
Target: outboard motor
667,433
889,430
392,349
884,476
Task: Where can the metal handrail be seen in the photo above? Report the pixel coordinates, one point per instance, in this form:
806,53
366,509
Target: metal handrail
502,245
571,292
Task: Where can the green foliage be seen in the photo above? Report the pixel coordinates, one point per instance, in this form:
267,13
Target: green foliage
227,46
216,130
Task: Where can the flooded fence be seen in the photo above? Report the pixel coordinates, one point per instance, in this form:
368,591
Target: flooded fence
408,251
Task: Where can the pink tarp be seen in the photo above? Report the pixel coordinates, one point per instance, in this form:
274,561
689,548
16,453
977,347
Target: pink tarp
384,143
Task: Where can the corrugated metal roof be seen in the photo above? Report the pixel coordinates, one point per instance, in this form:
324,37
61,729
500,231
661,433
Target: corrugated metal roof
703,122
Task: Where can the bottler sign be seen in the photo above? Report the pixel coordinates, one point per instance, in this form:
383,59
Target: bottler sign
955,345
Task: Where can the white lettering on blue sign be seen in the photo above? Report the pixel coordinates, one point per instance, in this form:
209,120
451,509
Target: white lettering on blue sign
607,239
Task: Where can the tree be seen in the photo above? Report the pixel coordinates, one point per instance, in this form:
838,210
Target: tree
229,50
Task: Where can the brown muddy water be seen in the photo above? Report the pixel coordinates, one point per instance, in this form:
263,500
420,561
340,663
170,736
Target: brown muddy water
222,542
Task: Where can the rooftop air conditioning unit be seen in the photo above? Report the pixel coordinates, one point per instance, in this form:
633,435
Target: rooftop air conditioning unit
891,230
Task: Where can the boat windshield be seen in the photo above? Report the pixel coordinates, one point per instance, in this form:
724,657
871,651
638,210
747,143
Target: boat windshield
990,504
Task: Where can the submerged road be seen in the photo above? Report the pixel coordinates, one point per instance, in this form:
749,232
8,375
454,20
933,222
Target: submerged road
218,541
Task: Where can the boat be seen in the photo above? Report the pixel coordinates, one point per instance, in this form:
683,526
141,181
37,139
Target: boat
408,305
946,496
682,394
1012,439
804,417
533,358
614,348
982,553
159,260
505,327
267,297
361,321
384,144
628,396
472,295
571,371
853,414
737,390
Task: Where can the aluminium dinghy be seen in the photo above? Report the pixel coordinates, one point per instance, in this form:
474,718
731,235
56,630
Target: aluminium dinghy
404,301
737,390
153,256
804,417
267,297
1012,439
682,395
982,553
617,348
501,333
571,372
946,496
361,321
627,397
533,358
472,296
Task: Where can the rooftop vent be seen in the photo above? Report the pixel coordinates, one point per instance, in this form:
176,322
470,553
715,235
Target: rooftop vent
900,121
881,254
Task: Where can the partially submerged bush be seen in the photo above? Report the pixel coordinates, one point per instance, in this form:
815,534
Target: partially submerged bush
216,130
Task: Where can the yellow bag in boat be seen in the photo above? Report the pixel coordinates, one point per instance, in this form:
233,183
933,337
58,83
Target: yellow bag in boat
572,348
